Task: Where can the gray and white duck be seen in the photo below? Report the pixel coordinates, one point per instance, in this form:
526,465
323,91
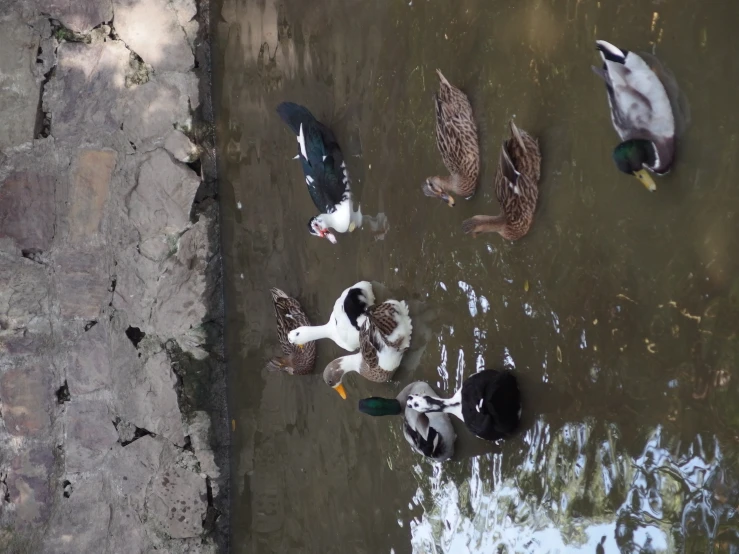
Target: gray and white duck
325,173
641,114
431,434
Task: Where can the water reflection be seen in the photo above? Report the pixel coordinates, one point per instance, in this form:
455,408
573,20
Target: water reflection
534,501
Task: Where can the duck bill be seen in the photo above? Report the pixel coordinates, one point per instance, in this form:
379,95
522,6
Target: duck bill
646,179
330,236
340,389
448,199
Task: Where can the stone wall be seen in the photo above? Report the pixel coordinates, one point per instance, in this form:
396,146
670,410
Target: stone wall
113,426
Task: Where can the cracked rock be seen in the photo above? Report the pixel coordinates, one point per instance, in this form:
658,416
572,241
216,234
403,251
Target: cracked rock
90,435
178,502
80,16
181,147
19,89
152,30
160,203
145,392
85,95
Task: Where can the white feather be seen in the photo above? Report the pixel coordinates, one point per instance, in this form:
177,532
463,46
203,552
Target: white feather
301,142
338,328
615,51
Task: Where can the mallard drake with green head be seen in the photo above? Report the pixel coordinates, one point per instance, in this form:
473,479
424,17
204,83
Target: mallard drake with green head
384,336
456,138
297,360
431,435
516,187
641,114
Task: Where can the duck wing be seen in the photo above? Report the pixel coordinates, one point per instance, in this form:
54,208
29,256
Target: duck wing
456,131
640,107
425,439
289,313
320,155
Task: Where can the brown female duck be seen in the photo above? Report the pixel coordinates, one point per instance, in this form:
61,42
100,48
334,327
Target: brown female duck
456,138
516,186
297,360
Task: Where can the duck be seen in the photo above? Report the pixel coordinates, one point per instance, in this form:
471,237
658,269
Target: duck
489,404
456,139
641,114
431,435
325,173
384,337
290,315
346,319
516,187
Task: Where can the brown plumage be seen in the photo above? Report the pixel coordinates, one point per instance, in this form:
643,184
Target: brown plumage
297,360
456,138
384,336
374,335
516,186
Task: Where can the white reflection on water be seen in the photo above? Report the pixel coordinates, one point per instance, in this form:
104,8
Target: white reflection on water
530,512
471,297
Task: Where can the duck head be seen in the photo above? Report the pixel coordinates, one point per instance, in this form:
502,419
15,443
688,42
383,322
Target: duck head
318,227
435,187
632,157
333,375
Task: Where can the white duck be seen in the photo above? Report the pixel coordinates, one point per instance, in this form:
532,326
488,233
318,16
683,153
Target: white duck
384,337
345,321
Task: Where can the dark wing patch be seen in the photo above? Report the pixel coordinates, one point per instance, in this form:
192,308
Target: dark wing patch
355,304
431,446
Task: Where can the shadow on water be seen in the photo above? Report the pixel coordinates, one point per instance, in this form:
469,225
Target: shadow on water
618,312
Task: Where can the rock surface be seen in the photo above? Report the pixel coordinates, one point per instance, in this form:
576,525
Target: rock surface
110,271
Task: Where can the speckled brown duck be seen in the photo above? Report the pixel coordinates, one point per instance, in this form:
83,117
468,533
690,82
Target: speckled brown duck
384,337
516,186
297,360
456,138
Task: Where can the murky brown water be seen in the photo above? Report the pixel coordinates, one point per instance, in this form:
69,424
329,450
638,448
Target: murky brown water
624,340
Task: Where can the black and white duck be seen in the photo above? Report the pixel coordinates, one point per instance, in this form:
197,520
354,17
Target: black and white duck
347,318
384,336
641,114
489,403
431,435
325,173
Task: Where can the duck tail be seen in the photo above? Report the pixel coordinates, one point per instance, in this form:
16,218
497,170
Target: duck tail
442,78
277,293
295,115
505,401
516,134
611,53
280,363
